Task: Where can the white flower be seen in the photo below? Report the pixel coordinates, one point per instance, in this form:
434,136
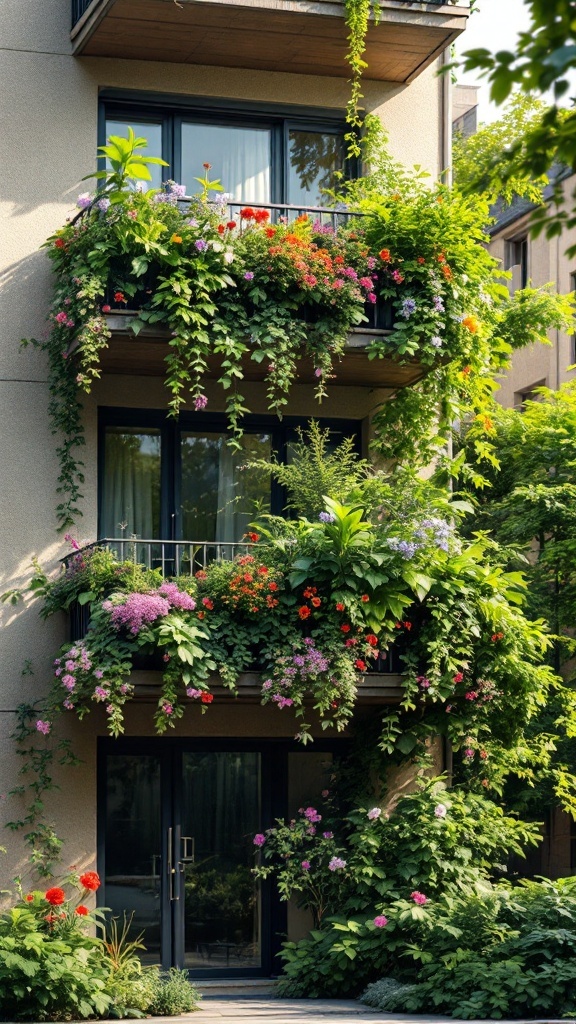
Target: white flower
228,257
374,813
217,246
440,810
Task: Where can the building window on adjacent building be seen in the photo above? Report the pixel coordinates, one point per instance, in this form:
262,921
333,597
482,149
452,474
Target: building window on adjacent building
260,156
573,289
516,260
528,394
162,480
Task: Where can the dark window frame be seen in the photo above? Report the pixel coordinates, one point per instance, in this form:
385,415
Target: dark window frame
282,432
171,111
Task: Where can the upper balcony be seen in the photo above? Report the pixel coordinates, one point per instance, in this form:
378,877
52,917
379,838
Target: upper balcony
299,36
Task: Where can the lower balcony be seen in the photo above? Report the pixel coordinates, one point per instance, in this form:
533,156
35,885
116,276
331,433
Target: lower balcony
298,36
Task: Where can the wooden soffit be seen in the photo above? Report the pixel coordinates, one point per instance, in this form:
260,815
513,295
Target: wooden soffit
298,36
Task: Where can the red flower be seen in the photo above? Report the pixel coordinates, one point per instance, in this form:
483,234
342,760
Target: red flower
420,260
247,213
458,677
273,586
310,591
384,255
90,880
207,698
340,607
231,224
260,216
59,243
372,639
201,575
200,615
253,537
263,570
221,229
119,297
345,628
81,911
208,603
351,642
360,665
106,309
365,598
316,602
407,625
304,612
55,896
496,636
29,898
270,232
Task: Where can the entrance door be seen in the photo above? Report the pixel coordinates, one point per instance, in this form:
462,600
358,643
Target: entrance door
177,826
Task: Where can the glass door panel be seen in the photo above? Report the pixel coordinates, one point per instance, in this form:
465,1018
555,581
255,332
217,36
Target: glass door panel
131,483
220,496
314,158
240,159
219,817
133,873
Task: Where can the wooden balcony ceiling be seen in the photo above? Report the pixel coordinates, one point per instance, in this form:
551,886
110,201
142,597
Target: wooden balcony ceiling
299,36
144,355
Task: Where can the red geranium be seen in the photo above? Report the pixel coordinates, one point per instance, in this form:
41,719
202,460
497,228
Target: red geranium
207,698
59,243
304,612
56,896
29,898
372,639
339,607
247,213
90,880
253,537
360,665
316,602
365,598
345,628
81,911
231,224
119,297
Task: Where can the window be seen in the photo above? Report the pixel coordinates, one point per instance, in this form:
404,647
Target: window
165,480
516,260
262,154
573,288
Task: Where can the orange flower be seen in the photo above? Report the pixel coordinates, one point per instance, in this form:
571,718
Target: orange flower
90,880
471,323
447,272
176,238
273,586
466,370
441,257
420,260
29,898
221,229
316,602
304,612
384,255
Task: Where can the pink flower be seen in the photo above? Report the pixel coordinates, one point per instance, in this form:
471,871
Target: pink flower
305,865
98,673
327,835
380,921
259,839
177,598
440,810
336,864
138,611
43,727
419,898
312,814
374,813
69,682
469,752
167,708
191,691
72,542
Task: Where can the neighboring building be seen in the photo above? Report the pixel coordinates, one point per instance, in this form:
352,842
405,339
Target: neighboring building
465,109
243,84
534,262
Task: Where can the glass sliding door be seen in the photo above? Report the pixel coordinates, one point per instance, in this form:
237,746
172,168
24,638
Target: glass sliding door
131,483
313,160
240,159
220,816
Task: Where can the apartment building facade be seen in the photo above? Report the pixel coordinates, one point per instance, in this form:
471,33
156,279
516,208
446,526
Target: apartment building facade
247,86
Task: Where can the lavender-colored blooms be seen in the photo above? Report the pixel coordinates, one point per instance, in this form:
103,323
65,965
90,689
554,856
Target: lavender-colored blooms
438,303
336,864
259,839
436,341
374,813
327,835
179,191
139,610
192,222
177,598
326,517
191,691
406,548
201,245
440,810
408,307
248,276
43,727
83,201
99,673
103,204
69,682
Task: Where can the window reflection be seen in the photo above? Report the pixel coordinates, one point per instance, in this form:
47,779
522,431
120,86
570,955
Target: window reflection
131,497
314,159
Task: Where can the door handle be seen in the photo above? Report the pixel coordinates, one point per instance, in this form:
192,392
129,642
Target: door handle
188,857
170,868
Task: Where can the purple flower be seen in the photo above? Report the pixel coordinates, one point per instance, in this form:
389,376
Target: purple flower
371,262
318,372
248,276
72,542
68,704
408,307
374,813
200,402
438,303
380,921
100,693
327,835
103,204
326,517
336,864
201,245
177,598
191,691
69,682
99,673
192,223
436,341
259,839
312,814
43,727
139,610
179,191
406,548
440,810
83,201
305,865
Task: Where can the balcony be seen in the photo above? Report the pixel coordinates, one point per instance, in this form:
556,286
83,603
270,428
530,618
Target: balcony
145,354
299,36
382,685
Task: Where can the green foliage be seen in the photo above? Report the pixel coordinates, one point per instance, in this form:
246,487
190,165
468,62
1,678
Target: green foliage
173,994
544,56
436,845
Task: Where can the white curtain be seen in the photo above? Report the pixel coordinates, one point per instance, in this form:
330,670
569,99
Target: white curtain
239,158
130,485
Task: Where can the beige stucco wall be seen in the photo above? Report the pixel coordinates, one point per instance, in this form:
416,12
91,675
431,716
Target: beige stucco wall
547,264
48,137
